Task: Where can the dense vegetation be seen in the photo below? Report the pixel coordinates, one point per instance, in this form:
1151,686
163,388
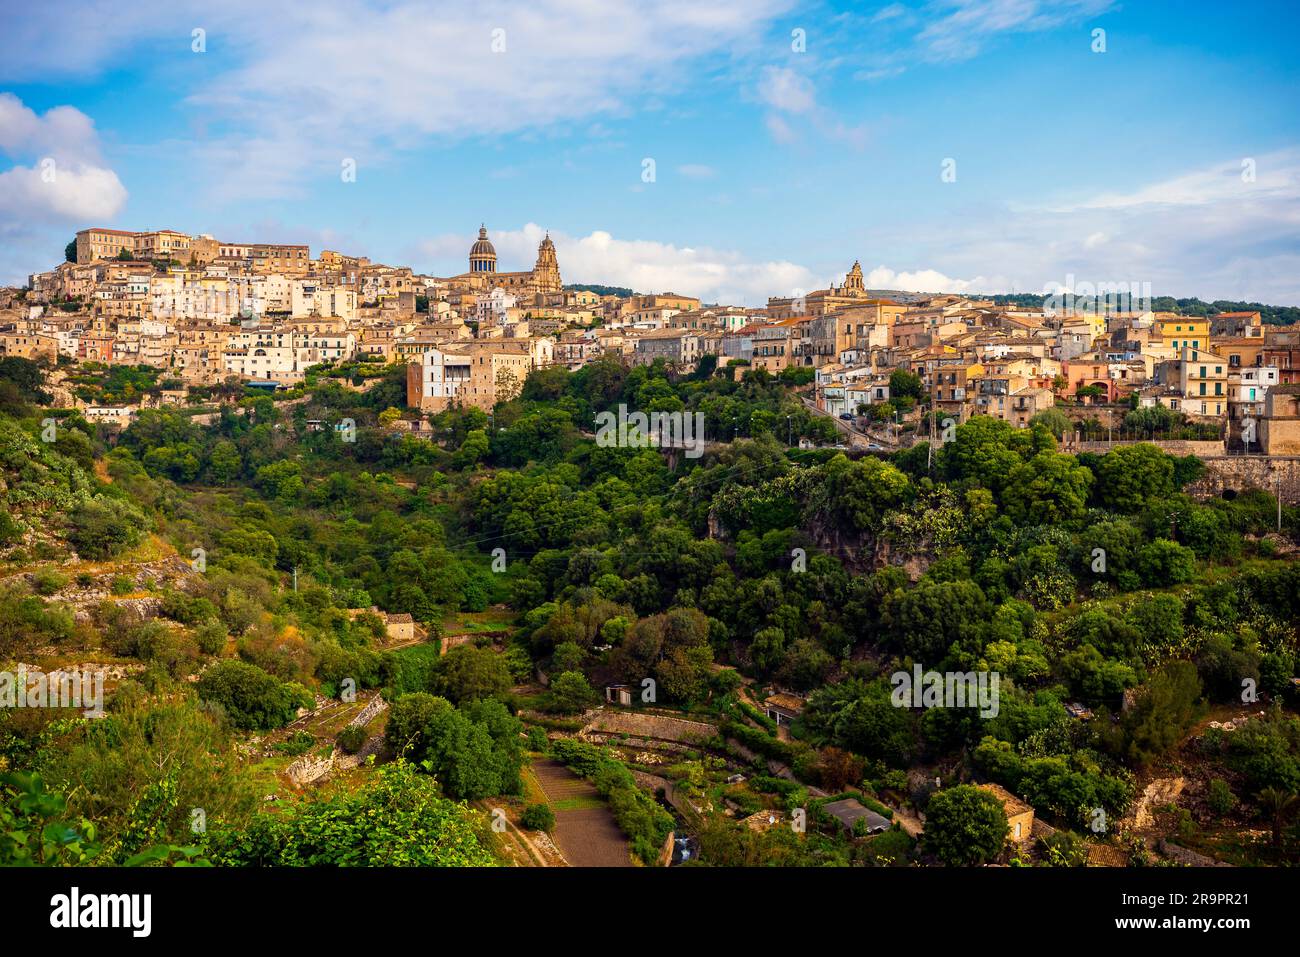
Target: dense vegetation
1076,578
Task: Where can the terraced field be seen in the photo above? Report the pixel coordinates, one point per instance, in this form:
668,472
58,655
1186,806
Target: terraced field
585,830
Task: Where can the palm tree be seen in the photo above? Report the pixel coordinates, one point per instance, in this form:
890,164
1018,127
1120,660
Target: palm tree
1279,803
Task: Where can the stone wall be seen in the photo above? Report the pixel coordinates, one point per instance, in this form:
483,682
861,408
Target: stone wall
1240,472
652,726
309,768
1201,449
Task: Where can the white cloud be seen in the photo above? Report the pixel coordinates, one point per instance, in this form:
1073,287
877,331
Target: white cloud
76,194
930,280
891,12
1204,232
697,171
714,275
963,32
66,180
295,88
787,92
783,89
780,129
1275,176
61,130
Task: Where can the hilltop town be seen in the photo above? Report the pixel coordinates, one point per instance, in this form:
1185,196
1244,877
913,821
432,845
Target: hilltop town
204,312
909,580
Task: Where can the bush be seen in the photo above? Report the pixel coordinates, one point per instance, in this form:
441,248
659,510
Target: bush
538,817
297,744
47,581
252,699
352,738
102,527
538,741
211,637
1219,797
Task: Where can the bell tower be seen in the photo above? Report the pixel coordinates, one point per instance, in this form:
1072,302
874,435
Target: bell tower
853,284
546,271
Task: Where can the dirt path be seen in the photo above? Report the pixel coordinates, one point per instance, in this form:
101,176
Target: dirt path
585,830
908,821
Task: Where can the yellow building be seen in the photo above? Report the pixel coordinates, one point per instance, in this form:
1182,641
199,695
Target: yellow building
97,243
1203,379
1182,332
1020,816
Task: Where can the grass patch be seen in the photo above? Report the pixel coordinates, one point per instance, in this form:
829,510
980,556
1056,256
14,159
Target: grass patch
577,804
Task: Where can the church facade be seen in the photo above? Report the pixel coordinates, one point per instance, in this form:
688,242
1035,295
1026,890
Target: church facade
542,280
852,292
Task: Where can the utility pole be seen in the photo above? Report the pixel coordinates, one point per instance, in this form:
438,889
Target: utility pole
1279,504
295,578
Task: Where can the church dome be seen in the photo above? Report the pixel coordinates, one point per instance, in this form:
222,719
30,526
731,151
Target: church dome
482,255
483,246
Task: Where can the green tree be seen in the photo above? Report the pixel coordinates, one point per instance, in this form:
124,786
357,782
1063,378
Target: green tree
538,817
1277,805
397,818
1049,489
1164,711
466,673
571,693
1054,420
1162,563
1131,476
965,826
224,462
101,527
250,698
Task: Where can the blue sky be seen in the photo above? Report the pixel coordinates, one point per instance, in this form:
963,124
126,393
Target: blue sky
788,139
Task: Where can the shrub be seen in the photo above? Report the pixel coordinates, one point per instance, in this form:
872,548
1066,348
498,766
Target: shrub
210,637
102,527
252,699
298,743
538,817
1219,797
47,581
537,740
352,738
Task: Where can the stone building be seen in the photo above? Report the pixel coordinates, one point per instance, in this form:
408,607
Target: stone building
542,279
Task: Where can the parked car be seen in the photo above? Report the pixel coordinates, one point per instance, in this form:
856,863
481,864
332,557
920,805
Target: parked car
847,416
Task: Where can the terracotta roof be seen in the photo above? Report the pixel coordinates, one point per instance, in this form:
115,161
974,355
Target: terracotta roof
1010,803
786,702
